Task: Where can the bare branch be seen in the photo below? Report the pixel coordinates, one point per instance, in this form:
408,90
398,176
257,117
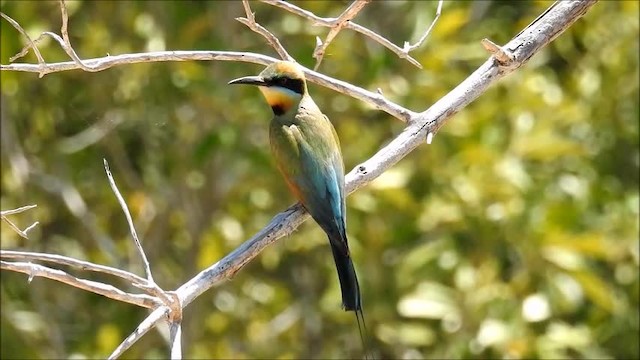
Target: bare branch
18,210
169,300
107,62
175,331
250,22
328,22
22,233
146,325
408,47
132,228
420,126
66,42
133,279
375,99
99,288
30,44
348,14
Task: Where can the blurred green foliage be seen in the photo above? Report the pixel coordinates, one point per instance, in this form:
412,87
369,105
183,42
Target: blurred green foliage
515,234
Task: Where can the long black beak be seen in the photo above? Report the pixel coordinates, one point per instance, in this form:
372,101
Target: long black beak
250,80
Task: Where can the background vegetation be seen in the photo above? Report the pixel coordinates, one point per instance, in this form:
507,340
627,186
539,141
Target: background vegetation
515,234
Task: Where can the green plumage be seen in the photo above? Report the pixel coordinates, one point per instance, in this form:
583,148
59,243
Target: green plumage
307,152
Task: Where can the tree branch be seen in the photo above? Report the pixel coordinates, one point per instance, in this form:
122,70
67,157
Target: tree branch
408,47
23,233
374,99
250,22
131,278
346,16
402,53
99,288
132,228
30,44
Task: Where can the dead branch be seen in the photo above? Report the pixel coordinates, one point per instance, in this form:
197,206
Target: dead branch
348,14
24,256
372,98
13,226
403,53
30,44
250,22
99,288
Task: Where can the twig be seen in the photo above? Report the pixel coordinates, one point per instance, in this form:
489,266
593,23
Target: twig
503,57
99,288
144,327
408,47
175,334
133,279
375,99
348,14
66,42
171,301
328,22
30,44
525,46
132,228
22,233
250,22
18,210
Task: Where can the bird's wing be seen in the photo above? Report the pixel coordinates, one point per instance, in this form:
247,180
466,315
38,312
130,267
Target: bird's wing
311,162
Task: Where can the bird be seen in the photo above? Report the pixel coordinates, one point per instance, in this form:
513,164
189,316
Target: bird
306,148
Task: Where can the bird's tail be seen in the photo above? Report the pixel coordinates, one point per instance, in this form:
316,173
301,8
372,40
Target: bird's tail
350,288
348,279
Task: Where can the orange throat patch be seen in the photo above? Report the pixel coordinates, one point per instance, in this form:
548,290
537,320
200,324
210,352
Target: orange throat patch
279,98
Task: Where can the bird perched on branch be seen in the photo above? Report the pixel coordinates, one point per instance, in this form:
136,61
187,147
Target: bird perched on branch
307,153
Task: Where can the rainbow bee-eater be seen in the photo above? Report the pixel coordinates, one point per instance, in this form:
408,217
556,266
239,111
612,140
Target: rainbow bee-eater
307,153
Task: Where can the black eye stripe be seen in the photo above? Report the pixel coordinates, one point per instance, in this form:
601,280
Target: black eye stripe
295,85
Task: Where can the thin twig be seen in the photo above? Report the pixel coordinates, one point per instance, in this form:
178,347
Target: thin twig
372,98
132,228
151,284
250,22
66,42
175,336
22,233
99,288
18,210
133,279
30,44
408,47
328,22
346,16
147,324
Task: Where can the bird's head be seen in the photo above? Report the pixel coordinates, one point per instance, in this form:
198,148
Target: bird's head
282,84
